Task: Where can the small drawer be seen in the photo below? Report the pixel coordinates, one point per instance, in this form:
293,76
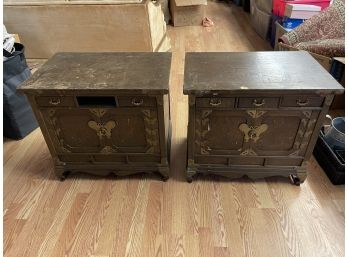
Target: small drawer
258,102
55,101
302,101
136,101
215,102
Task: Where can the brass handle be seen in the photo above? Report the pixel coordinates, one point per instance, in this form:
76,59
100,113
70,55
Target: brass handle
137,102
300,103
54,101
215,102
259,104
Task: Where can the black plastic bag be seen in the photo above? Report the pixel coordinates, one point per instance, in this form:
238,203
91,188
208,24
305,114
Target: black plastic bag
19,119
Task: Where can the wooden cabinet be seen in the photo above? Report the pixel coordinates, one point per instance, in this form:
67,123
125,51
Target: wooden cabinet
262,124
113,120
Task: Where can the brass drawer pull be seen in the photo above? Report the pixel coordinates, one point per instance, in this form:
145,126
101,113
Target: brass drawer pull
137,102
259,104
300,103
215,102
54,101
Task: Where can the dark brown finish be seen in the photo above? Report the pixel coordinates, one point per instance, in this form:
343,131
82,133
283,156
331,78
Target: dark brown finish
255,71
104,113
260,123
147,72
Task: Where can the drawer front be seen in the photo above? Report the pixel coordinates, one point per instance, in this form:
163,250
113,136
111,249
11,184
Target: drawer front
136,101
215,102
258,102
302,101
55,101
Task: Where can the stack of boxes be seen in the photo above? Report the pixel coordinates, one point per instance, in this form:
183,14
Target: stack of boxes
288,14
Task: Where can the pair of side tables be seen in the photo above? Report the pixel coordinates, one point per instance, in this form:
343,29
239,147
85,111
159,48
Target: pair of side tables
257,113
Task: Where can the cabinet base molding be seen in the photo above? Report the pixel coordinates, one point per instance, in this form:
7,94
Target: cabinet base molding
253,173
62,171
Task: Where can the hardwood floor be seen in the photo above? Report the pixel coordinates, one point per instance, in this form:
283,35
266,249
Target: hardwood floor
143,216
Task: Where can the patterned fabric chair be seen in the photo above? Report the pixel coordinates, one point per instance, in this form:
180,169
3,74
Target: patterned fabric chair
322,34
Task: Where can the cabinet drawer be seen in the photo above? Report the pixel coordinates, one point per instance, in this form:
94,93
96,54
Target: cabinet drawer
55,101
302,101
258,102
136,101
217,102
283,161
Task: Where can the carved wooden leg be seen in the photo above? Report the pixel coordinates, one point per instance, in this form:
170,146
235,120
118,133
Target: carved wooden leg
302,172
190,172
60,172
294,179
164,172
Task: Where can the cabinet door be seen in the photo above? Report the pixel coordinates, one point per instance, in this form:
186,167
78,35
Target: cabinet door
285,132
135,130
217,132
103,130
253,132
69,130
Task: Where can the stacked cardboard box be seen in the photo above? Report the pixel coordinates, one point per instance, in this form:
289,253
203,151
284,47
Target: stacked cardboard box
187,12
46,27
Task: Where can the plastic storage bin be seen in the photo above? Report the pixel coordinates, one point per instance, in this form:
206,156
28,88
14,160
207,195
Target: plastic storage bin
332,162
279,5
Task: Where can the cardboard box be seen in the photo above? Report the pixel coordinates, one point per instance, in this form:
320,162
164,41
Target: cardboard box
187,12
48,27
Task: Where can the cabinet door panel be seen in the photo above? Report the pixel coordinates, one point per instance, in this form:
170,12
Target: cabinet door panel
135,131
286,132
217,131
69,130
281,133
253,132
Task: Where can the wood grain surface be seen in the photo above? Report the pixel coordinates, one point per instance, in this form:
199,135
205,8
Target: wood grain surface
93,71
287,70
143,216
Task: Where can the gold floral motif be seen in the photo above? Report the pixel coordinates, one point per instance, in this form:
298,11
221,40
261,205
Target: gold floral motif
108,149
99,112
295,153
151,130
328,100
248,152
255,113
205,130
307,114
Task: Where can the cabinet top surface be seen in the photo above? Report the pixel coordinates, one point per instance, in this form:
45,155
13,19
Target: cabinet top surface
102,71
290,70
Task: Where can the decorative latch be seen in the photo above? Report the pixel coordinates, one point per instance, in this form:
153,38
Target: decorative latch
102,129
252,132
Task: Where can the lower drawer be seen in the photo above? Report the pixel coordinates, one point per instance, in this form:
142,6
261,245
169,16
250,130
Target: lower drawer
220,160
110,158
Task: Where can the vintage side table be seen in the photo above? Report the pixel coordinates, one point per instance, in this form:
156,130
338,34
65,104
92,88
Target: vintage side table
104,113
257,114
